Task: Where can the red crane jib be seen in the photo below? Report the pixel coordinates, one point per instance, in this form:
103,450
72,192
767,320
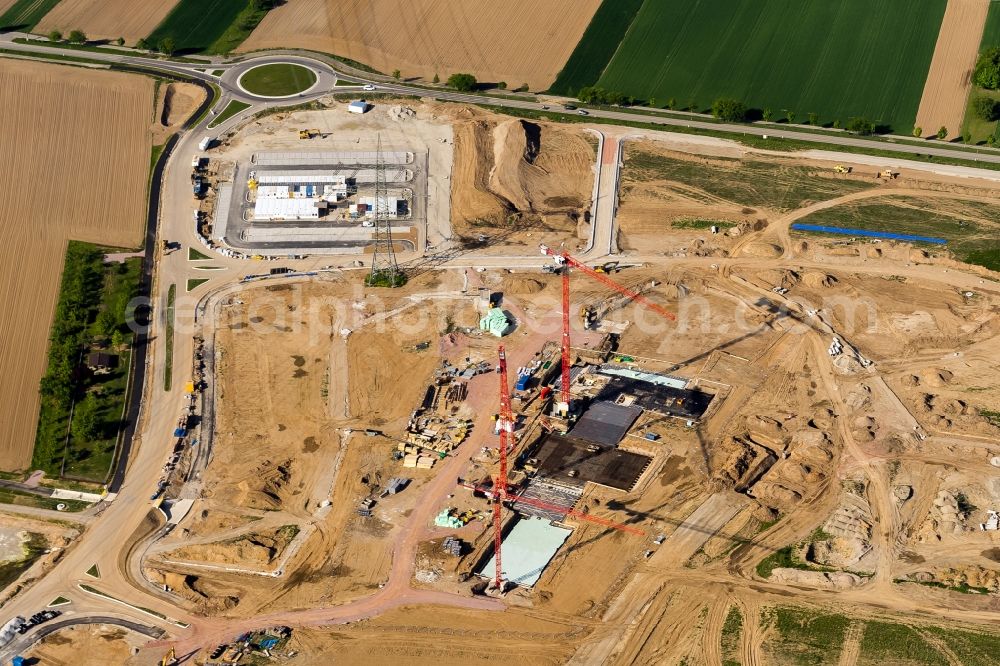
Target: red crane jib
600,277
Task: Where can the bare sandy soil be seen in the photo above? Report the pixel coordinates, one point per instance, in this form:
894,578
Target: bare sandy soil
514,180
101,19
6,4
85,645
426,37
949,78
74,180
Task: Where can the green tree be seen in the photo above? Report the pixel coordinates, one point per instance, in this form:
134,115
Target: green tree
860,125
436,79
790,117
77,37
396,74
117,339
105,324
120,41
991,140
729,110
692,105
167,46
966,136
86,424
766,115
942,133
986,108
55,35
672,103
652,102
836,124
917,131
142,45
463,82
987,72
502,85
813,119
524,88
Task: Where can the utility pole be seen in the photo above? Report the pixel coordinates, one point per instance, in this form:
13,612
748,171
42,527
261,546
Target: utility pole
385,271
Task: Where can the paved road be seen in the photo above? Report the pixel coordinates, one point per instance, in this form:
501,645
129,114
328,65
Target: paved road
22,643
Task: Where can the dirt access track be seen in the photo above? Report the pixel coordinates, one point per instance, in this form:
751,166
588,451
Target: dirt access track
426,37
107,19
950,76
74,178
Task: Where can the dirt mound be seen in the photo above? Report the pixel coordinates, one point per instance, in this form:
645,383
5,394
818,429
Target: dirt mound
837,580
255,550
517,285
531,165
179,101
762,250
936,377
818,280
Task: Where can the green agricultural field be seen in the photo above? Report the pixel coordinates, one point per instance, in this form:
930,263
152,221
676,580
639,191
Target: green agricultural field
836,59
597,46
196,26
24,15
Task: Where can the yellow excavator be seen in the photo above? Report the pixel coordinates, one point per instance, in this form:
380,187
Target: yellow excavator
169,659
840,168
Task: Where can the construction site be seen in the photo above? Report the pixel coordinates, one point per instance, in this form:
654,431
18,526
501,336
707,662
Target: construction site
650,426
578,438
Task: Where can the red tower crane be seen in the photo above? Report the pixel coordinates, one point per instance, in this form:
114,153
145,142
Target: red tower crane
567,260
499,493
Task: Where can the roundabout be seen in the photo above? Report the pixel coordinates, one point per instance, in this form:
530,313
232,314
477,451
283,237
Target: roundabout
277,80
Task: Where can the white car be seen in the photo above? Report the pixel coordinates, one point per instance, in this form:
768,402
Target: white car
369,86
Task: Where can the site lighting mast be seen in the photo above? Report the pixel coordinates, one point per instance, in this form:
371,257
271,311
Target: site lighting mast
565,260
385,271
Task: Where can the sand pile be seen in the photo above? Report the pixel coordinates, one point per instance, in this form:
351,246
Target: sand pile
762,250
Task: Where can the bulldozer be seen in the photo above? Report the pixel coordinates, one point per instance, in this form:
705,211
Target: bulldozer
840,168
888,174
309,133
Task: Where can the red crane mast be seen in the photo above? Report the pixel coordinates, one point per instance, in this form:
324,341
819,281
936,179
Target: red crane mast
499,492
566,260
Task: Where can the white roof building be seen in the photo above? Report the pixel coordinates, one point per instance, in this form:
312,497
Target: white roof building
302,208
390,203
359,106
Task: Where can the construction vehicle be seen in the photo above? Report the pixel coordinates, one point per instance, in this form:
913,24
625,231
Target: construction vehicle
169,659
607,267
888,174
840,168
309,133
591,315
564,260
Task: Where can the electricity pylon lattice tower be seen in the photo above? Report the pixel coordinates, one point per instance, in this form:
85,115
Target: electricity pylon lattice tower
385,270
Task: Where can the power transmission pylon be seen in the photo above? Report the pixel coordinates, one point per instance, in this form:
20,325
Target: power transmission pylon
385,271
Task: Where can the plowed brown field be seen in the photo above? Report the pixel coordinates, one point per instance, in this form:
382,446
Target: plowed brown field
107,19
950,74
73,165
517,41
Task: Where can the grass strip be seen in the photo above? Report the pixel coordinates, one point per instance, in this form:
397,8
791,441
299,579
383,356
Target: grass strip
18,498
231,110
168,339
194,283
195,255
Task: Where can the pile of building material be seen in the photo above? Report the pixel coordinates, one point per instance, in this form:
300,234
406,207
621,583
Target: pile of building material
401,112
495,323
452,546
414,460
